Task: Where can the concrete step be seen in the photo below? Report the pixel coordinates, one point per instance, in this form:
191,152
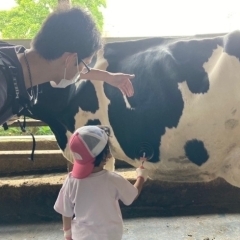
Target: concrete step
31,198
45,161
43,142
17,162
16,150
36,180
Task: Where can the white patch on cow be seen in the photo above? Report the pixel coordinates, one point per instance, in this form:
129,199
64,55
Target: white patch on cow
213,118
110,165
67,153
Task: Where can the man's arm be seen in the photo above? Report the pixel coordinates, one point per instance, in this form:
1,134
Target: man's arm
119,80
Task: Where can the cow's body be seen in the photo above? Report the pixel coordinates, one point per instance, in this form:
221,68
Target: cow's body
186,106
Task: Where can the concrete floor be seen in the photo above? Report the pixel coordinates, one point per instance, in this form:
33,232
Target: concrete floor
164,211
207,227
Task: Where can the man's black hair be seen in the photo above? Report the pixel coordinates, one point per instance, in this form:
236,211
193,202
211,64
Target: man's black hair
67,30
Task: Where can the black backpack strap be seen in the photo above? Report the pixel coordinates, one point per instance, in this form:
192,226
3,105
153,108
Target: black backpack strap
18,99
11,93
23,128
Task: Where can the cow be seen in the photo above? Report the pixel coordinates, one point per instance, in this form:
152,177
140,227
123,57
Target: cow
184,114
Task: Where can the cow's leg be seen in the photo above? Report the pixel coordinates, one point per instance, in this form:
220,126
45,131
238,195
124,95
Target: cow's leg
110,165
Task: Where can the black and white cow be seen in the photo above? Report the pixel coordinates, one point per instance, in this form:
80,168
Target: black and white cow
186,106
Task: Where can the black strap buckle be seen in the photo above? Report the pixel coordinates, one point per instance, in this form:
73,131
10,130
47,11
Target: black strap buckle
23,128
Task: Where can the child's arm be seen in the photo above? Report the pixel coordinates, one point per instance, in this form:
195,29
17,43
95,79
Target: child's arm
67,227
142,175
138,184
126,191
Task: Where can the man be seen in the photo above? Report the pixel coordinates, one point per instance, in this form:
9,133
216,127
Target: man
59,53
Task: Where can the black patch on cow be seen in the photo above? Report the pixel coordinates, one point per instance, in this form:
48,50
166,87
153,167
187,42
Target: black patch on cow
231,44
58,100
188,59
196,152
86,99
57,107
55,99
116,51
157,104
93,122
53,121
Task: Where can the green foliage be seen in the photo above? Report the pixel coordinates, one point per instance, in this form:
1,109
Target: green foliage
16,131
24,20
10,132
45,130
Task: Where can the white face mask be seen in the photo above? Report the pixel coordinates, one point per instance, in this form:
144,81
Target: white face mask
64,82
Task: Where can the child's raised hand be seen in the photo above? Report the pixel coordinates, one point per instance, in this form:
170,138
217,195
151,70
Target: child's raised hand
142,172
142,159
